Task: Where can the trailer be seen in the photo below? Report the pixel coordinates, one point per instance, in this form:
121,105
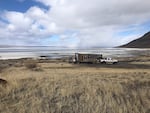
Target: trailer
87,58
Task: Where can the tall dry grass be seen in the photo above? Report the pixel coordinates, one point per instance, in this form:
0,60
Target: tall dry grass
68,89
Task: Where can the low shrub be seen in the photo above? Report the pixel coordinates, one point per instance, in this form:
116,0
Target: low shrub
32,65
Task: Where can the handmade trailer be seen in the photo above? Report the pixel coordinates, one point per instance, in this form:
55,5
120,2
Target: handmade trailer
87,58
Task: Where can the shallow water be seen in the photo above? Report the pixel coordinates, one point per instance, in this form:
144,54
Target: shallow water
58,52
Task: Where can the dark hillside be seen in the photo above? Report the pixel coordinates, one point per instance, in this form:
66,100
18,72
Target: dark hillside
142,42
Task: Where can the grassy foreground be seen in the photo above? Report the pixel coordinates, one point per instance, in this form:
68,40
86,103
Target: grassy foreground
59,87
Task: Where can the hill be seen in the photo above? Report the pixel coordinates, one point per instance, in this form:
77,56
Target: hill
142,42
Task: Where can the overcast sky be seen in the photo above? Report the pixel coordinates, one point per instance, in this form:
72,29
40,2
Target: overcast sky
73,23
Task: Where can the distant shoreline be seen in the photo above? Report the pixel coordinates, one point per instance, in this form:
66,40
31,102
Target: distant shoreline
54,53
124,62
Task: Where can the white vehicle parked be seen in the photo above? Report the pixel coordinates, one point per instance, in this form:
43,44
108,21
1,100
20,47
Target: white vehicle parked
108,61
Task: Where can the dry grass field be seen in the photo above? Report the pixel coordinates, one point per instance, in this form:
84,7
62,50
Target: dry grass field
59,87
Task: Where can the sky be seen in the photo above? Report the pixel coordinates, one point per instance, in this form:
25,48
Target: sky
73,23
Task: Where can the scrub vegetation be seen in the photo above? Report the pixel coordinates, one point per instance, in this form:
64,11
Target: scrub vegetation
75,88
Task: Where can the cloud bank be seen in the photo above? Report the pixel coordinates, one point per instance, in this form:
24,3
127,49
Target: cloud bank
76,23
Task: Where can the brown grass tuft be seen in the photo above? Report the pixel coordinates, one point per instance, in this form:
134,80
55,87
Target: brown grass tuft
3,82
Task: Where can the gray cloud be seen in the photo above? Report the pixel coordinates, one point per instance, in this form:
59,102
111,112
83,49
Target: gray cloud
95,22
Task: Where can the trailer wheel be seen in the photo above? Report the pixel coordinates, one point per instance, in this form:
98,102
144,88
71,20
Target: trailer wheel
103,62
114,62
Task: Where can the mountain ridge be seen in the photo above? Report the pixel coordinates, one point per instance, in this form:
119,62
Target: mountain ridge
142,42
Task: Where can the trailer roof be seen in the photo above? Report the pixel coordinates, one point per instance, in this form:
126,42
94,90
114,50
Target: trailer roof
88,53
